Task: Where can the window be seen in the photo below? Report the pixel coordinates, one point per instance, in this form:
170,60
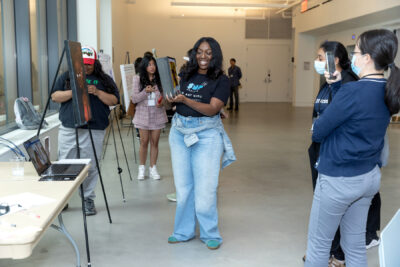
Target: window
62,31
8,77
3,101
37,12
28,61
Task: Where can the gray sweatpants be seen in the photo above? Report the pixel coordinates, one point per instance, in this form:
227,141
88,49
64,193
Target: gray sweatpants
67,150
341,201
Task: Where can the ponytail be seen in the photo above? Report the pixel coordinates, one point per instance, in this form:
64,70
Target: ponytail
392,91
381,45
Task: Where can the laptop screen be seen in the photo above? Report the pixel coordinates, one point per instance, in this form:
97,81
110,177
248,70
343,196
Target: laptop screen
38,154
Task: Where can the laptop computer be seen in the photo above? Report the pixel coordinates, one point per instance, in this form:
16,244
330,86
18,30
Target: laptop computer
46,170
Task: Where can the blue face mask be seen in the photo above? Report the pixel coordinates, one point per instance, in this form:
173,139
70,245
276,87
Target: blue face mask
319,66
354,68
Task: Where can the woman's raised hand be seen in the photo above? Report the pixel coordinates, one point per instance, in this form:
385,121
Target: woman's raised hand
336,74
149,89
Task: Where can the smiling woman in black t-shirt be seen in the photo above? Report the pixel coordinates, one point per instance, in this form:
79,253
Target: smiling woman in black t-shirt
198,140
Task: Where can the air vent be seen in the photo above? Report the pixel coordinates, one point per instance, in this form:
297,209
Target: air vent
267,26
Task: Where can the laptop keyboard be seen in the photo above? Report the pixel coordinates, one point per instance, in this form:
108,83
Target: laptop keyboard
59,168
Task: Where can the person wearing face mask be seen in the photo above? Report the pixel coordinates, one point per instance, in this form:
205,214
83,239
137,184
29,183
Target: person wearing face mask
198,140
351,131
103,93
325,95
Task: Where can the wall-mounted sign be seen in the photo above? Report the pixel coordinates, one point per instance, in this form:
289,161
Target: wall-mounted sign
304,6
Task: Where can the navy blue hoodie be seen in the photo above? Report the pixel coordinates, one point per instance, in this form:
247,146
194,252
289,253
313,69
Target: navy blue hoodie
351,130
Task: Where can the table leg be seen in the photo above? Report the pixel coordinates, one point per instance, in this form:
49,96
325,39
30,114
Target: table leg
63,230
85,227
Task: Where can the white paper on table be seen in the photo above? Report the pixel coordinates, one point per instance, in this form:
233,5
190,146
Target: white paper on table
25,201
127,74
72,161
17,234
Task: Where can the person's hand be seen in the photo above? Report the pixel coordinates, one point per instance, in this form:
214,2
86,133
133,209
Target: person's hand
177,99
337,74
149,89
223,114
92,89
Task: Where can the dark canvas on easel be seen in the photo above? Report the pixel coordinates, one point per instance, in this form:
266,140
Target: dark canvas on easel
80,97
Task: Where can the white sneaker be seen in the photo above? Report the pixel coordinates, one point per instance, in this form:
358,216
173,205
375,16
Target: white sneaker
373,243
154,173
141,172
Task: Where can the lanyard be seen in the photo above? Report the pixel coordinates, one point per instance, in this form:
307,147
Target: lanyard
380,74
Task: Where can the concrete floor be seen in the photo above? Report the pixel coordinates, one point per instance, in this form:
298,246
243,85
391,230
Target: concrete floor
264,202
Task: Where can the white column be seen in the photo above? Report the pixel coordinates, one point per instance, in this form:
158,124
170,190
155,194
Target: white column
87,22
106,27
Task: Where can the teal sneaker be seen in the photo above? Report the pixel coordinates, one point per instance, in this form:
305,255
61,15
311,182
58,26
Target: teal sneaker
213,244
173,240
172,197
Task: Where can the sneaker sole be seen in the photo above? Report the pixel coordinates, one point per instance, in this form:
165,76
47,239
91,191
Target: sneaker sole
213,248
373,243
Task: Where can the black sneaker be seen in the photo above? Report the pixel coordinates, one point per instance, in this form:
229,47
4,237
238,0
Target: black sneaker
90,209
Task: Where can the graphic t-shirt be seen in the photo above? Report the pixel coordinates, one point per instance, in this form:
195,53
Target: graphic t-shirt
99,110
200,88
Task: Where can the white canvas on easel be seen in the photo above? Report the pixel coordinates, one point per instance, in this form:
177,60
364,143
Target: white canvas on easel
105,61
127,74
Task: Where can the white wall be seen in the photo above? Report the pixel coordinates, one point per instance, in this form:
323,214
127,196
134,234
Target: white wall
139,27
304,53
338,11
337,20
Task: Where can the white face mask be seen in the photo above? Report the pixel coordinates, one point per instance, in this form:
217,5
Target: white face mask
319,66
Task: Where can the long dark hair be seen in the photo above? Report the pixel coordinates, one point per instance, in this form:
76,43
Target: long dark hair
382,45
339,51
215,67
108,83
144,76
137,63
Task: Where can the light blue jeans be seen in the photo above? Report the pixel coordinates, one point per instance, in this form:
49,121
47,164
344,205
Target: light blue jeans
341,201
196,170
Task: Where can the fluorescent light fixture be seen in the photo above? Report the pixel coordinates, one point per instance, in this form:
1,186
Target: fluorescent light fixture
233,5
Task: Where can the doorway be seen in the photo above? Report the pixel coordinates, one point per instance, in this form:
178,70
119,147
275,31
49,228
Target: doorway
268,73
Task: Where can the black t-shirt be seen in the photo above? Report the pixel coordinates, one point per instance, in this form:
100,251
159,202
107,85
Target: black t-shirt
99,110
201,88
